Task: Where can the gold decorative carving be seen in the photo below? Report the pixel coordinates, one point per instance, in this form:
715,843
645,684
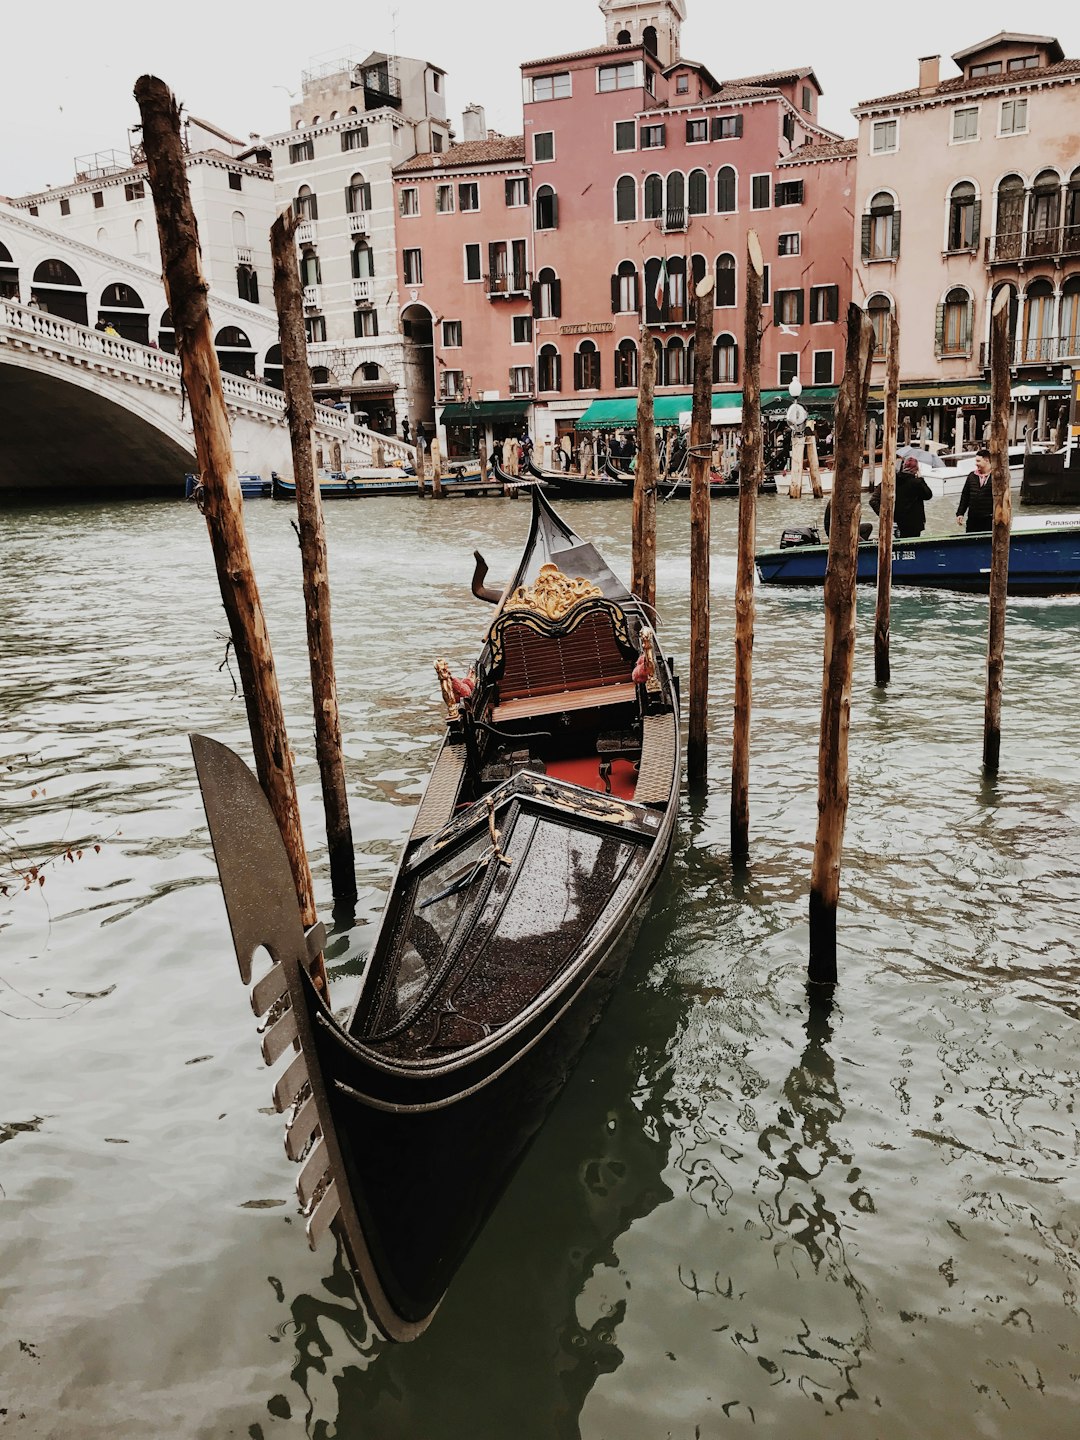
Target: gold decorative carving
553,593
648,654
446,685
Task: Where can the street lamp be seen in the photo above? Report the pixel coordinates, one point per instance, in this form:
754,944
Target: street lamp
470,415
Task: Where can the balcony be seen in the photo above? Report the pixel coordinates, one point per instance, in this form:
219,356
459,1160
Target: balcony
1010,247
1040,350
674,219
364,290
358,222
312,297
305,232
243,255
501,286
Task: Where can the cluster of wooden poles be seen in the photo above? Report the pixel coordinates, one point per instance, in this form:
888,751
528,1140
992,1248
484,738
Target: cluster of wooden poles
222,505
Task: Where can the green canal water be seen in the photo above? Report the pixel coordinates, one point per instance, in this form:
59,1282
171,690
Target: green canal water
742,1218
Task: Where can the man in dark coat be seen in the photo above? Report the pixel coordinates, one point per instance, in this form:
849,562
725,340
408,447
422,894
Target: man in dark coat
909,511
977,496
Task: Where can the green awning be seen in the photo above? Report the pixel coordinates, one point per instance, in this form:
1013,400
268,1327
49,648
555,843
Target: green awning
813,397
622,414
461,414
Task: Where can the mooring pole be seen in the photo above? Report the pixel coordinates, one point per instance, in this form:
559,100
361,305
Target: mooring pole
300,411
437,491
750,473
222,502
815,467
882,668
999,544
421,469
839,648
643,522
700,458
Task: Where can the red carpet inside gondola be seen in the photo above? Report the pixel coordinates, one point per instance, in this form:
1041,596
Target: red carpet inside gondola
585,771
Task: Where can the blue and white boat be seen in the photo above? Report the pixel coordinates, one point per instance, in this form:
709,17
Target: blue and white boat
1044,559
252,487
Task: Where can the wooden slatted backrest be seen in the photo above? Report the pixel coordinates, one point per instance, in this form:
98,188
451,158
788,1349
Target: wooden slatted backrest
538,658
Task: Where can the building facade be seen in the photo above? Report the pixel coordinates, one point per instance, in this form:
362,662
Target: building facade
966,186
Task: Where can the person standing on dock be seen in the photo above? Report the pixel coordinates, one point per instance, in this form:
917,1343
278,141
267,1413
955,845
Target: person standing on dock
977,496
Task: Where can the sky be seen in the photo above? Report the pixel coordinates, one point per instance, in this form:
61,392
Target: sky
67,85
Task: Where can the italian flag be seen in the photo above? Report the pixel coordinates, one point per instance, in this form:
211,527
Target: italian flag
661,285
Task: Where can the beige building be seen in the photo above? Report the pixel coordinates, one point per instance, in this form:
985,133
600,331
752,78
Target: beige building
965,185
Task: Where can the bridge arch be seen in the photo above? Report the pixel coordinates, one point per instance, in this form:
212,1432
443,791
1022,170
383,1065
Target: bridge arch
234,351
121,306
58,289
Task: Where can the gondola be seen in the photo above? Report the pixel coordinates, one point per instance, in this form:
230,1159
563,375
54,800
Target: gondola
573,487
541,835
678,487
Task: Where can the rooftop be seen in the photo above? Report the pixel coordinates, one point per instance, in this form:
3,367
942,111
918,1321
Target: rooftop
1011,37
496,150
827,150
961,83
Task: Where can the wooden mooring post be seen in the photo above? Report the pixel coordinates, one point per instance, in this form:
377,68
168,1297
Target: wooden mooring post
700,459
750,474
839,648
999,543
300,412
643,520
421,469
436,469
882,620
223,504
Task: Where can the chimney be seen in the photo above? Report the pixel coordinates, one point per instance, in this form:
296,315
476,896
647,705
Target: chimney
929,72
473,123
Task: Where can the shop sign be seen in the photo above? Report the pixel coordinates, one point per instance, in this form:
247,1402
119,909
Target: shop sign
942,402
590,327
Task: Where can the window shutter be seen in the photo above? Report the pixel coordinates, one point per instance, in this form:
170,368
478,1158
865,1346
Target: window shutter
714,128
799,312
536,299
976,222
556,298
663,133
614,294
738,126
554,211
557,372
689,131
939,331
509,193
832,303
577,370
492,263
777,307
867,223
896,234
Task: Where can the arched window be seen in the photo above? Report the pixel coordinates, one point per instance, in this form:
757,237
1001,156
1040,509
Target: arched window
1070,316
1039,340
1009,227
626,198
587,366
232,338
626,366
167,336
881,229
725,370
654,197
306,203
954,323
547,208
964,217
234,351
550,369
725,281
102,241
697,202
726,191
1014,305
320,375
699,268
676,201
660,363
142,249
272,372
55,272
363,265
879,308
648,38
624,289
656,291
623,38
357,195
58,289
676,289
1071,238
310,269
547,295
239,229
9,275
675,362
121,297
1045,214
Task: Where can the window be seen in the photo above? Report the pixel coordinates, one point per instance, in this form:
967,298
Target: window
789,367
1024,62
544,145
625,198
547,208
881,229
964,217
363,262
884,137
134,190
727,127
1013,117
965,124
409,201
310,269
355,139
879,309
521,380
437,142
247,284
414,267
357,196
823,367
521,330
301,151
824,304
725,281
517,192
452,384
365,323
451,334
472,262
315,329
506,268
236,182
696,131
760,191
765,285
625,135
673,371
626,365
788,128
789,192
697,193
1008,242
468,194
97,197
725,361
789,244
954,324
444,199
547,295
725,191
624,289
788,307
992,67
1044,214
654,197
65,207
808,99
652,137
551,87
550,368
617,77
306,204
675,217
